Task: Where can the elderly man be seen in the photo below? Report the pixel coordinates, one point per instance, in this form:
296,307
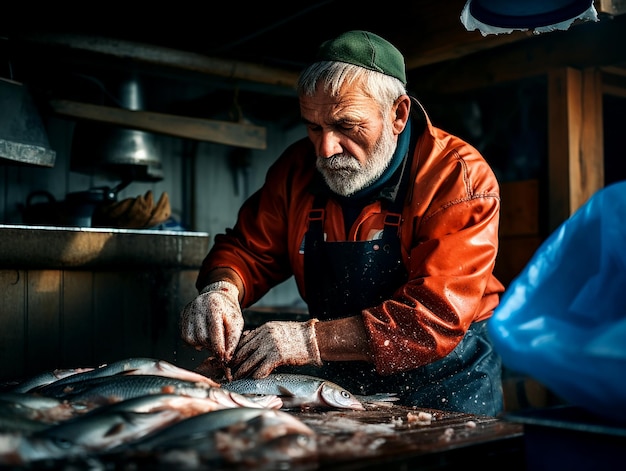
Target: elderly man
389,226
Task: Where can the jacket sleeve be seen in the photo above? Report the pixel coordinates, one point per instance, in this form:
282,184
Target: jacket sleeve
451,259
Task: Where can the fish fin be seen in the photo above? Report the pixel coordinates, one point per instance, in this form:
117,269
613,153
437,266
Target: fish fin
285,392
115,429
378,397
128,372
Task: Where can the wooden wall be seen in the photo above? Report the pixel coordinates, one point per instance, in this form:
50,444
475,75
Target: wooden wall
520,227
78,318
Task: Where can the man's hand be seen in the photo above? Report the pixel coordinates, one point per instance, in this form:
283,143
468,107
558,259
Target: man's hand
274,344
213,320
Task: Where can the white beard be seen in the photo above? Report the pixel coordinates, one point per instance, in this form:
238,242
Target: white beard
345,175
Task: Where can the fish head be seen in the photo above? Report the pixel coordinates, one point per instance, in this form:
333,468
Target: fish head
335,396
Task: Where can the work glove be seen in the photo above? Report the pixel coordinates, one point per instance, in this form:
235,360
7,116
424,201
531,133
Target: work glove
213,321
274,344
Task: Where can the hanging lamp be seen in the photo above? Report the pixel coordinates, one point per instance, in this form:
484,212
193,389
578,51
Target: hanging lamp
538,16
23,138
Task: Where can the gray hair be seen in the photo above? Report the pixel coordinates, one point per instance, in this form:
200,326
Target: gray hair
382,88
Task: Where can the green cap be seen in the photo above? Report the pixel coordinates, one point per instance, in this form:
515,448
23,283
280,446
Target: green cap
367,50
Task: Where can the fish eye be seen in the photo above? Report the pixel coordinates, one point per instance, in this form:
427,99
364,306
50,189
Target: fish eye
345,394
63,443
302,440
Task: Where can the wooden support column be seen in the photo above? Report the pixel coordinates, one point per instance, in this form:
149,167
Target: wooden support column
576,145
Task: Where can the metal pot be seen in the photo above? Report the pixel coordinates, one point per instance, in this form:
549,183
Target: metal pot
42,208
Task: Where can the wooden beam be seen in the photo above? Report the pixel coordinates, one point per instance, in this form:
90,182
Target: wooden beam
576,148
611,7
614,81
162,57
443,37
587,45
221,132
440,36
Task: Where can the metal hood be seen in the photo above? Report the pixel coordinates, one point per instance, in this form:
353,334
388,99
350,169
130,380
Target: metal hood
23,138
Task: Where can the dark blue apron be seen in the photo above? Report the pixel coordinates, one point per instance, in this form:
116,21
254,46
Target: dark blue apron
342,278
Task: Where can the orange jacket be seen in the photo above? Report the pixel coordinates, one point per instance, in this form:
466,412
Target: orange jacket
449,237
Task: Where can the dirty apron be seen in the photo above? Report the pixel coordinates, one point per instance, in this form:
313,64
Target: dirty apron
342,278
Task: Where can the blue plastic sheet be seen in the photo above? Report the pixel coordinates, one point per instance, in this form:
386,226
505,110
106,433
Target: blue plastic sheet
562,321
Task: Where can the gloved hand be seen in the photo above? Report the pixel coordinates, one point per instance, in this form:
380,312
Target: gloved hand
276,343
213,320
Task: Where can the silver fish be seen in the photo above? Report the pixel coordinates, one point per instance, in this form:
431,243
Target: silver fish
33,401
297,390
15,418
29,412
234,436
137,366
109,389
46,377
95,432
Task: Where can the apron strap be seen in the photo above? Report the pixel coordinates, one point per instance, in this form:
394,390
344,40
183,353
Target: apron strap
317,215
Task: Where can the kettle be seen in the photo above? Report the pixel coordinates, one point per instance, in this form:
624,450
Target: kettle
42,208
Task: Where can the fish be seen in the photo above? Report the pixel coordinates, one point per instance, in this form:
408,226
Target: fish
14,418
233,436
32,401
28,412
135,366
25,440
110,389
298,391
46,377
94,432
165,368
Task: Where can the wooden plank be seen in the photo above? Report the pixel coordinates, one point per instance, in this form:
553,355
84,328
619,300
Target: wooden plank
590,157
138,303
222,132
443,37
42,320
587,45
513,255
611,7
12,326
162,57
559,81
614,81
576,151
519,213
108,317
77,330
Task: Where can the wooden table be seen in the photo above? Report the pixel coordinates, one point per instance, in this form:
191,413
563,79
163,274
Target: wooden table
393,436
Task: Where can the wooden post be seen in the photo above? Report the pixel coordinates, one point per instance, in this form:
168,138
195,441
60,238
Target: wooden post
576,145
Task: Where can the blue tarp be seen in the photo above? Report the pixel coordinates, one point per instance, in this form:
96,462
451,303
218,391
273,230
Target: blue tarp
562,321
